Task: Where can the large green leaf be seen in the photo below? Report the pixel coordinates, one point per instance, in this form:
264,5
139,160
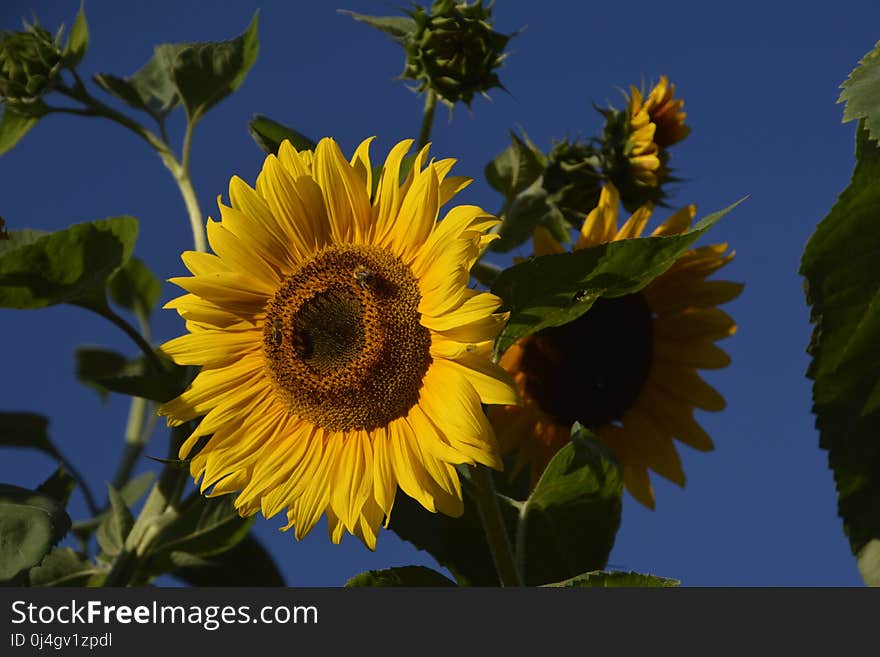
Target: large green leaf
64,567
400,576
205,73
246,564
553,290
861,92
30,524
842,274
68,266
207,526
616,579
151,88
570,520
107,370
268,134
78,41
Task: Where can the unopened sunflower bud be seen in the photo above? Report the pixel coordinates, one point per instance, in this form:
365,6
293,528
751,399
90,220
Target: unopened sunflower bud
30,62
453,50
572,179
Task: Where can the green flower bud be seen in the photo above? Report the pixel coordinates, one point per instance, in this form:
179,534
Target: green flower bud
30,62
454,51
573,180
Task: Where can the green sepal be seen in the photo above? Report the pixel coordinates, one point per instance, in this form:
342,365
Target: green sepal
400,576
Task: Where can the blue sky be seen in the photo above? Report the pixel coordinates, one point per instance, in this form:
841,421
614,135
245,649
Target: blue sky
760,82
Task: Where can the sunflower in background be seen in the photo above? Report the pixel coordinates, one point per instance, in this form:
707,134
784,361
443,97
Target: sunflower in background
342,352
626,369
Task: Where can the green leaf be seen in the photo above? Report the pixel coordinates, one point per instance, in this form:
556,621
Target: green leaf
861,92
115,526
553,290
205,73
572,516
527,210
30,524
842,275
67,266
107,370
246,564
458,544
64,567
130,493
151,88
269,134
516,168
58,486
78,41
616,579
135,287
26,430
206,527
398,27
400,576
16,122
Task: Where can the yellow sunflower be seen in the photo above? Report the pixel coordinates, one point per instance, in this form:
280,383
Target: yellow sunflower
627,369
342,352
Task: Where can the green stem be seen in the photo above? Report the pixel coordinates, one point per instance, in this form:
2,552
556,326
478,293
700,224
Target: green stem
178,169
131,332
493,525
427,118
158,512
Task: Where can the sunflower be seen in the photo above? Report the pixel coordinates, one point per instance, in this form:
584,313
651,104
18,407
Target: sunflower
342,353
627,369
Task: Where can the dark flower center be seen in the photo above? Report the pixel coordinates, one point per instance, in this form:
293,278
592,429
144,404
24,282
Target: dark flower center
592,369
343,340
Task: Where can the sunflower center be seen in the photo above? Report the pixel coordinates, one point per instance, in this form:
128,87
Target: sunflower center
343,340
592,369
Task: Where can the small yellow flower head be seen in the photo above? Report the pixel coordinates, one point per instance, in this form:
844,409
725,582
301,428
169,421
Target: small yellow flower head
29,63
454,51
663,110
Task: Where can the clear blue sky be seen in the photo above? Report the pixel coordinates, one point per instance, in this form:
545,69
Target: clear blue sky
760,86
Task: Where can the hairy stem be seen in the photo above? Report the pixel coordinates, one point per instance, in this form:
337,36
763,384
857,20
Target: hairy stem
427,118
493,526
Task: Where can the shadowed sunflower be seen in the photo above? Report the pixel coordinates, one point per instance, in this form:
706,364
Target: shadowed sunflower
661,109
342,352
627,369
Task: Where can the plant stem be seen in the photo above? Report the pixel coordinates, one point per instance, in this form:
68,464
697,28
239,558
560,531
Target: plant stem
132,332
427,118
158,512
493,526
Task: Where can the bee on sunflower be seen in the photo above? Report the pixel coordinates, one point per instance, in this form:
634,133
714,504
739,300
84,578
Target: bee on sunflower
342,352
